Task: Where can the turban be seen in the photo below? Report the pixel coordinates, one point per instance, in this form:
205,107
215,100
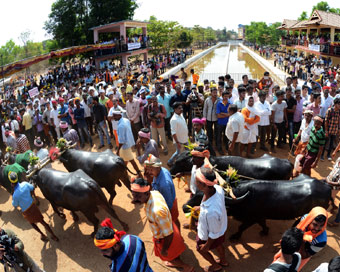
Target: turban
308,112
54,102
318,118
13,177
144,135
108,243
7,132
61,99
152,161
110,93
199,121
63,124
140,189
203,179
304,223
117,112
148,97
203,154
38,142
76,99
326,88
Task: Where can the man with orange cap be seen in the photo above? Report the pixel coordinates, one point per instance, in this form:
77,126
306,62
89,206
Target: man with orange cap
127,252
315,236
167,239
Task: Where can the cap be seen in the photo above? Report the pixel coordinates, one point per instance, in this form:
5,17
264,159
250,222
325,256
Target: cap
63,124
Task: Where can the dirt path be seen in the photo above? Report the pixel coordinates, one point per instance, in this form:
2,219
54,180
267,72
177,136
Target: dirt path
76,252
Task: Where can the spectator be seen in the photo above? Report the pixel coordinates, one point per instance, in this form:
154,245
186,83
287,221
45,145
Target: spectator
133,114
209,112
222,120
234,130
179,131
264,110
149,145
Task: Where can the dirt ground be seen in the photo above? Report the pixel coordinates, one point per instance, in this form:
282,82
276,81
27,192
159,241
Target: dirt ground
76,252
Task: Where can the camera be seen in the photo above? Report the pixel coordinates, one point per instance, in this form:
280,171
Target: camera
9,257
157,120
194,99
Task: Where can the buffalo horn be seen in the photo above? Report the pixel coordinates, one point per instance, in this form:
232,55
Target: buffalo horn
230,201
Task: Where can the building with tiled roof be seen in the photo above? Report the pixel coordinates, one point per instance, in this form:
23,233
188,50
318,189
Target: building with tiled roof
319,35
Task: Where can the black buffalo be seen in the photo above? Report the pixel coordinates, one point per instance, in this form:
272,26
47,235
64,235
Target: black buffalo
259,200
265,167
106,168
74,191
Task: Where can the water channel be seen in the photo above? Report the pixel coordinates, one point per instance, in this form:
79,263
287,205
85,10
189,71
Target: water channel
216,64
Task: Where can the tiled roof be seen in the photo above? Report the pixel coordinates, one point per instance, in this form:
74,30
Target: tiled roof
318,17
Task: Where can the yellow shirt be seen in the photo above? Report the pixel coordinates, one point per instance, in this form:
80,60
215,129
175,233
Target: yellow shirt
27,121
158,215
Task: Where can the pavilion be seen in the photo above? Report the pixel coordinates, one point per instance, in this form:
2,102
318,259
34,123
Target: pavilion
122,46
319,35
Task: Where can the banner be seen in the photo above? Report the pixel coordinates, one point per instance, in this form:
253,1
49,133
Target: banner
132,46
33,92
314,47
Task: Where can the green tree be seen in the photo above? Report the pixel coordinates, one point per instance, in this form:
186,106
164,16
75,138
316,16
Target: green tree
261,33
70,20
185,39
303,16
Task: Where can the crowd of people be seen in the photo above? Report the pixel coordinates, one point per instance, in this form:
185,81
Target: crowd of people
142,113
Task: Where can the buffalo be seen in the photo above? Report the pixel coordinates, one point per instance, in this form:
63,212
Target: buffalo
265,167
106,168
259,200
74,191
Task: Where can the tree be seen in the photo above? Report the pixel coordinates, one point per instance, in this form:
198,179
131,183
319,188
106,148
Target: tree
185,39
324,6
303,16
70,20
261,33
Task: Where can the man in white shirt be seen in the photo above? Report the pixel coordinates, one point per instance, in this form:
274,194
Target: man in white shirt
213,220
264,110
54,118
179,131
326,101
278,120
234,130
332,266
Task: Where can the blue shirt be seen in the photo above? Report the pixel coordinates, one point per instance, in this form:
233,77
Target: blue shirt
124,132
166,103
221,108
131,257
22,195
163,183
63,110
79,115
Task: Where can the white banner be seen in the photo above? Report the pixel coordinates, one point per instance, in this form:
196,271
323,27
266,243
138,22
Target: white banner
314,47
132,46
33,92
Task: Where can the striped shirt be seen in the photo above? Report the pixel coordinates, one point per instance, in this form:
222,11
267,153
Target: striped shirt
332,119
316,139
158,215
131,256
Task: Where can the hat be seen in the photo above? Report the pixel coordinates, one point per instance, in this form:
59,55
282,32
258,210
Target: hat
149,97
308,112
63,124
13,177
142,90
117,112
76,99
109,93
326,88
152,161
54,102
101,91
61,99
318,118
38,142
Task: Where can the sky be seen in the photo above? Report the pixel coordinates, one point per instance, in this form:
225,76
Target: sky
18,16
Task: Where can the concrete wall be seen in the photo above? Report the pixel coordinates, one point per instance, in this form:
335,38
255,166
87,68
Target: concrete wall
276,74
177,68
